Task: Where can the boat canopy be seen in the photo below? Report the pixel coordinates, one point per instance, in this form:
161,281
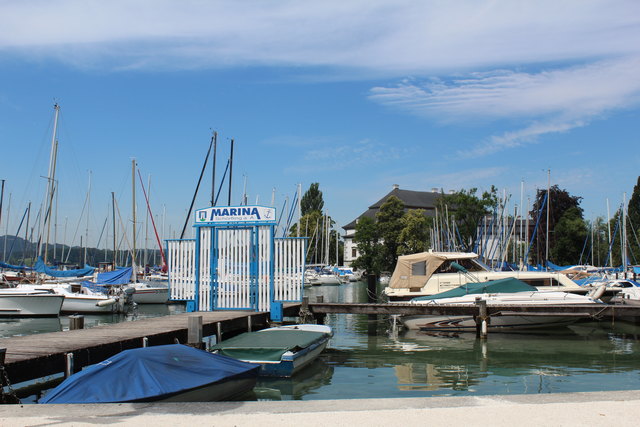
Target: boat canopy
268,345
121,276
509,285
413,271
40,267
148,373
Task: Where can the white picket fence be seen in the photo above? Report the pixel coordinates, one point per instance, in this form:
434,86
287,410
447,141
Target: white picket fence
238,268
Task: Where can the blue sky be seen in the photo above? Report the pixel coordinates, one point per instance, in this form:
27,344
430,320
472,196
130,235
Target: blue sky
356,95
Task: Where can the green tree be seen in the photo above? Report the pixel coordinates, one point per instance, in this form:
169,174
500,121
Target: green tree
560,201
312,200
468,210
633,225
414,236
314,226
369,248
389,224
570,234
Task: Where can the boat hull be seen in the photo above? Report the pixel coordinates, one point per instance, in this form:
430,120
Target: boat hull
496,323
223,390
294,362
43,305
151,295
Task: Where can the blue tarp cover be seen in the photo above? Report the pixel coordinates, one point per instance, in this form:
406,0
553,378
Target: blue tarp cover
15,267
40,267
149,373
121,276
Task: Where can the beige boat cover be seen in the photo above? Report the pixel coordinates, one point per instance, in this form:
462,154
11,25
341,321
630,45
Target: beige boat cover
403,278
402,275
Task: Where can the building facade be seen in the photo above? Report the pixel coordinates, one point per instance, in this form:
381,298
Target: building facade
425,200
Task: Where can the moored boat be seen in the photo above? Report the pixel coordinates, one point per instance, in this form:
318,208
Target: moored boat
280,351
148,294
168,373
429,273
29,303
84,301
504,292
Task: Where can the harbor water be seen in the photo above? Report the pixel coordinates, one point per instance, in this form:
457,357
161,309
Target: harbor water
370,358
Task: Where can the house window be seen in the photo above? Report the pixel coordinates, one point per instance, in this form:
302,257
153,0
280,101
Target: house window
354,253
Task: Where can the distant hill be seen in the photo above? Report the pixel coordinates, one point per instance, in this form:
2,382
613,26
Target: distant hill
18,250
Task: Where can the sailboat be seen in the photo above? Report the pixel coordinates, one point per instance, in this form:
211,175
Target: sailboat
144,293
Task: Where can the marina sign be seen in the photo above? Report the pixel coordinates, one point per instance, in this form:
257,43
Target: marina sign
224,214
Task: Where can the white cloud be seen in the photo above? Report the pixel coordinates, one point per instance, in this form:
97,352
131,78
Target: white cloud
552,101
332,157
572,92
393,37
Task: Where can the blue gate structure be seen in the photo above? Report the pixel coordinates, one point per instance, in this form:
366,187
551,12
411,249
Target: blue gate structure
235,262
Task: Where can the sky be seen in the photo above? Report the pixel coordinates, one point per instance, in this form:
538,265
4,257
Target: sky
357,96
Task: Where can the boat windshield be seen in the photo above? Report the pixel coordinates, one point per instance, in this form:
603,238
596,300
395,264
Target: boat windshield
471,265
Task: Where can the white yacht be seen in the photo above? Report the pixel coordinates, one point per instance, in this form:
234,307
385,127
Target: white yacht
83,301
29,303
429,273
507,292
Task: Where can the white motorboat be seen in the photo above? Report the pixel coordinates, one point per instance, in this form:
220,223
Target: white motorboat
85,301
145,293
29,303
505,292
429,273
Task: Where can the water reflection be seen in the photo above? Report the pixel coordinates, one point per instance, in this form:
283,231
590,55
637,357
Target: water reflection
29,326
592,356
301,386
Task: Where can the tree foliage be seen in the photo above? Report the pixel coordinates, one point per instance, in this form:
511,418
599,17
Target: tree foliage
570,234
414,236
312,200
633,225
468,210
389,224
367,238
559,202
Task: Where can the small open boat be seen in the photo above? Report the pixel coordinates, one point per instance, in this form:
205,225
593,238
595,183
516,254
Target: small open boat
168,373
281,351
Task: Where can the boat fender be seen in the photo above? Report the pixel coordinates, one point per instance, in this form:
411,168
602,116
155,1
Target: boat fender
106,302
597,292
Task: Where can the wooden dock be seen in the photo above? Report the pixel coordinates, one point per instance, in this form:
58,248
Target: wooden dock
630,309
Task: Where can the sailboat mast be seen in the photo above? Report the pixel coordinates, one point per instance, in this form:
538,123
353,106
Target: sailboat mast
1,200
230,172
546,256
86,231
213,170
113,213
133,201
50,177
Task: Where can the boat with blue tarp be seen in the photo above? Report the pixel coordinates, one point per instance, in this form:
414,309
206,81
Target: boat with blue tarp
169,373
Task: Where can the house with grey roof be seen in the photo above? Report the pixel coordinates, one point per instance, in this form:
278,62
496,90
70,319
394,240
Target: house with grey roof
425,200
